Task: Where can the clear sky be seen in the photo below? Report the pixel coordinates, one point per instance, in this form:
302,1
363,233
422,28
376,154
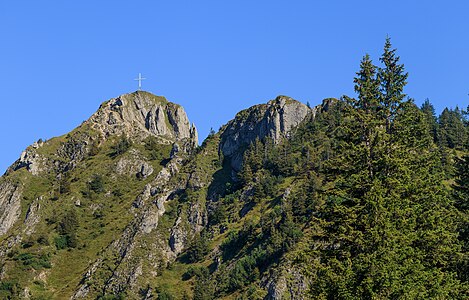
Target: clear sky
60,59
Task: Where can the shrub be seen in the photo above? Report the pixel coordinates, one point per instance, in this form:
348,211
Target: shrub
96,184
34,261
198,249
60,242
69,223
165,295
43,240
121,147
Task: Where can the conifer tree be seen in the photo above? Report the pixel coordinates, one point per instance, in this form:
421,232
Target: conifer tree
429,111
461,197
393,78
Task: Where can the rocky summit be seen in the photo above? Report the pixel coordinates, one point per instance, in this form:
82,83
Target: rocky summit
273,120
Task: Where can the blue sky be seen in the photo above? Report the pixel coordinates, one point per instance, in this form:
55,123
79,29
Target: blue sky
60,59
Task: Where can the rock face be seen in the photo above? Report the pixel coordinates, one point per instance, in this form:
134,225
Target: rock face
141,114
134,164
30,160
272,120
10,205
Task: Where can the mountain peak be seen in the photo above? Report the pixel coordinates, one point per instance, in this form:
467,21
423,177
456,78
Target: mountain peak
141,114
135,116
272,120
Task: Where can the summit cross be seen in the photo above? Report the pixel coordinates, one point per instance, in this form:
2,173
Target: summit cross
140,78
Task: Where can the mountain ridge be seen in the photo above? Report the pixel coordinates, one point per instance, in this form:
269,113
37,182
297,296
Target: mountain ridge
132,127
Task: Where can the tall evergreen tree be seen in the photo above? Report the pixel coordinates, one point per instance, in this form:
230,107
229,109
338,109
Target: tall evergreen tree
461,197
429,110
452,130
393,78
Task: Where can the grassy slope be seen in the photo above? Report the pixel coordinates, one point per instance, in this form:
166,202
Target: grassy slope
102,217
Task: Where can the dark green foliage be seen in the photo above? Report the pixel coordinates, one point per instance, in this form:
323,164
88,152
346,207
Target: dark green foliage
392,79
27,244
461,186
234,242
94,148
452,132
122,145
61,242
204,288
461,197
212,132
388,230
243,273
35,261
154,148
64,184
9,290
96,184
69,222
67,229
198,249
218,215
43,240
429,111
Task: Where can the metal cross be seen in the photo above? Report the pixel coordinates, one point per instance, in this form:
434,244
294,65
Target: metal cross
140,78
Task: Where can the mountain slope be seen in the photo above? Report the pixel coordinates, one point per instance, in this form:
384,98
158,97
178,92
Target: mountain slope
89,178
104,209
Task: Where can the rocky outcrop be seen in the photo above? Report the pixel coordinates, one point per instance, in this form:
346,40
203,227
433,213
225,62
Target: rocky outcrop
187,225
32,216
133,164
289,283
141,114
272,120
10,205
31,160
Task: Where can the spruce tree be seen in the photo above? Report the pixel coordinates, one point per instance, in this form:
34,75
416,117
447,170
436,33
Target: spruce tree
461,197
393,78
429,111
452,131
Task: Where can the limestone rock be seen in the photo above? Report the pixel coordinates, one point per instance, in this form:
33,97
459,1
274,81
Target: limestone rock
178,237
145,170
272,120
134,164
185,228
30,160
141,114
10,205
32,216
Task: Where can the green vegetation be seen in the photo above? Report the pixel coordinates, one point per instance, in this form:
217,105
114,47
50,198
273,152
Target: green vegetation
122,145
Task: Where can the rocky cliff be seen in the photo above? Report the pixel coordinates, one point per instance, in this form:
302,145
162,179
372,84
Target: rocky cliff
10,205
141,114
273,120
